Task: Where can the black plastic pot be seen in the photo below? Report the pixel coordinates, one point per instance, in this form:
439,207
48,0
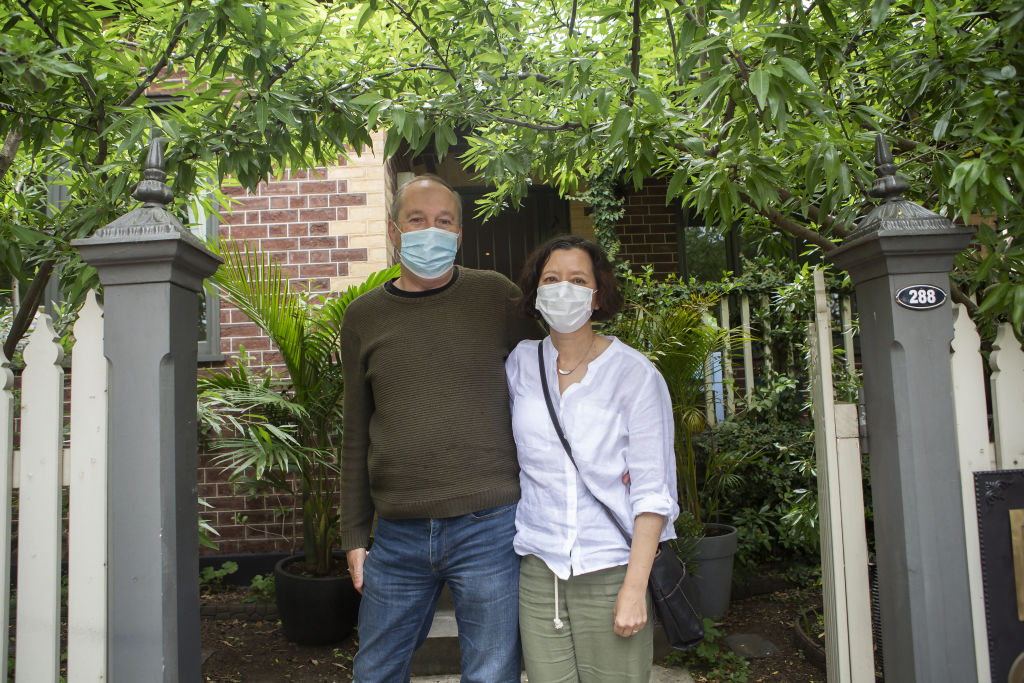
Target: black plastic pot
713,555
314,610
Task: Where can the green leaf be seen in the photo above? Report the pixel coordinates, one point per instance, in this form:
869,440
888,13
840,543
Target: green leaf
366,98
364,16
797,71
879,10
759,84
621,125
677,183
941,126
490,58
827,16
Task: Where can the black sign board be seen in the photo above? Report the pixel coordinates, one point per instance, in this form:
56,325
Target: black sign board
1000,499
920,297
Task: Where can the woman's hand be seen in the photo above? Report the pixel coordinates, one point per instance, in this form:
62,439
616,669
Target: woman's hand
631,603
630,610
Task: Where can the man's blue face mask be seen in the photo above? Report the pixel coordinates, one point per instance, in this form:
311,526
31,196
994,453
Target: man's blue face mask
429,253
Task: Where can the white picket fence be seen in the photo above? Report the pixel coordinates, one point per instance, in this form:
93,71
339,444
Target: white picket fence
39,471
720,397
841,503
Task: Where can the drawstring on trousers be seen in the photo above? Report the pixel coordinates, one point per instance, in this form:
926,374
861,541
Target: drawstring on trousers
558,622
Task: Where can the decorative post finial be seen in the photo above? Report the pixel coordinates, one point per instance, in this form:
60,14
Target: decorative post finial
888,185
152,189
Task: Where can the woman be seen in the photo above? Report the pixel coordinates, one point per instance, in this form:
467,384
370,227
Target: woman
584,614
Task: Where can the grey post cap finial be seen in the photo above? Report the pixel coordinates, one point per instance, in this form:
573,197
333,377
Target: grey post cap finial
887,185
152,189
895,214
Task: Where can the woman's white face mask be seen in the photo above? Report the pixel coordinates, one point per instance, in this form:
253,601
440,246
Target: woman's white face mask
566,307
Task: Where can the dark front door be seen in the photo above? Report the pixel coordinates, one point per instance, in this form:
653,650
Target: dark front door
504,242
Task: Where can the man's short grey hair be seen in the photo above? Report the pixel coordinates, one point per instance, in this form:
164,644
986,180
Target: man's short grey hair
396,202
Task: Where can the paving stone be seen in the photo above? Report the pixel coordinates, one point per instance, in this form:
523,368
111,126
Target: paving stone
751,645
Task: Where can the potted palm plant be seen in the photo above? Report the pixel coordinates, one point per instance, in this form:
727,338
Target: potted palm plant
680,338
284,432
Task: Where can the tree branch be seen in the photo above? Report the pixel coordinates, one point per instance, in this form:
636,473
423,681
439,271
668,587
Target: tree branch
10,148
155,70
634,52
27,311
958,296
827,221
555,128
419,29
675,47
789,226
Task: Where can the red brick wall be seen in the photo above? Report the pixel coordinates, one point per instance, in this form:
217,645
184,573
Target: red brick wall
291,218
648,230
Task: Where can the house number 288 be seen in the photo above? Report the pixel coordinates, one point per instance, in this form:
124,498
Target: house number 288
920,297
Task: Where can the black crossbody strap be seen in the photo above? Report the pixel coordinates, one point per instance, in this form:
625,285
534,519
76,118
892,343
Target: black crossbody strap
565,442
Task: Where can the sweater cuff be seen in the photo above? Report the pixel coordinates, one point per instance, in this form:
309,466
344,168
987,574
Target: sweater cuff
351,539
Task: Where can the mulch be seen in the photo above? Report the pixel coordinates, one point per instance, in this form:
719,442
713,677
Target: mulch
243,643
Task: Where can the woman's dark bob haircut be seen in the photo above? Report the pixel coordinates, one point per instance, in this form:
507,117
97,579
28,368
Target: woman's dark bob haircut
609,300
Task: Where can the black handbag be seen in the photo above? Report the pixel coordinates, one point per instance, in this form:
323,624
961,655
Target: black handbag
672,588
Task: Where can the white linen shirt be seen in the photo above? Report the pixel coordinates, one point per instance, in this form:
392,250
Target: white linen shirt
617,419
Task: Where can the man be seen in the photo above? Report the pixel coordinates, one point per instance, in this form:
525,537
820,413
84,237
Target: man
428,448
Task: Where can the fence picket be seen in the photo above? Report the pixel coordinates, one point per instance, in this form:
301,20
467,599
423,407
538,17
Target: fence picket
87,517
748,347
845,590
975,454
1007,382
6,468
730,399
846,320
37,647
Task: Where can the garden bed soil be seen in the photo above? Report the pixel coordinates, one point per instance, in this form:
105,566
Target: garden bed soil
245,643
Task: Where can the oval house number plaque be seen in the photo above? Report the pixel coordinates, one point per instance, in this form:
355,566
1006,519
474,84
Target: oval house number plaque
920,297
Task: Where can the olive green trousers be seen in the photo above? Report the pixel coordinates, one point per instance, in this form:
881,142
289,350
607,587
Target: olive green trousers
586,648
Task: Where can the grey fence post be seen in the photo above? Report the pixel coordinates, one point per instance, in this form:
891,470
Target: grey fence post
151,270
899,259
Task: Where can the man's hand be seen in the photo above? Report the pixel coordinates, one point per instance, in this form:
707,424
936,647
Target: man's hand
356,557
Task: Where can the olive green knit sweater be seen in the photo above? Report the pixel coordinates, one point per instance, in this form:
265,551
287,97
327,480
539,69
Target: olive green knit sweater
427,426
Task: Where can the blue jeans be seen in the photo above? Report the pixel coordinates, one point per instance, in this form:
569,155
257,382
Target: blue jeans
409,563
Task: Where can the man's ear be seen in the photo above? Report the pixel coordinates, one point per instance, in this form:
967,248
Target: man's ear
394,236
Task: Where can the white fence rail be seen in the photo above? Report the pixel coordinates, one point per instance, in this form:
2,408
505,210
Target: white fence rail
39,473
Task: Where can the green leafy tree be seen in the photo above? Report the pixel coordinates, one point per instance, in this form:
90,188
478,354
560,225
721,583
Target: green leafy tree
238,89
762,113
